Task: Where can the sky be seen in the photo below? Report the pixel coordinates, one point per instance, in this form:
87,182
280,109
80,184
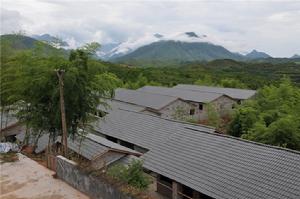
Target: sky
269,26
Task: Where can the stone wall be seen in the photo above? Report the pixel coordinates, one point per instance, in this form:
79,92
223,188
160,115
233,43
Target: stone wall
69,172
224,105
180,110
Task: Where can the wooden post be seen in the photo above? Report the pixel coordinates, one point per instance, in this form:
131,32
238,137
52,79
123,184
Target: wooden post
60,74
174,190
196,195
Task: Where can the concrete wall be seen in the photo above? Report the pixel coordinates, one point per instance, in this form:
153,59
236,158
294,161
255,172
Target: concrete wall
69,172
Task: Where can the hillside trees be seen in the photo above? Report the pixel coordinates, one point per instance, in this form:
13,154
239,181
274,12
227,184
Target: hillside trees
31,85
272,118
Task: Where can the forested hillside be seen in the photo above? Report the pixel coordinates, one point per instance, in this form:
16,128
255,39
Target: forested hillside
253,75
28,72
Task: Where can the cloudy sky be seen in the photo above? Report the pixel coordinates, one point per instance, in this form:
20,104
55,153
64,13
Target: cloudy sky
269,26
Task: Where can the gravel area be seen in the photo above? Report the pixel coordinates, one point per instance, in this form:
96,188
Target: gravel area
26,179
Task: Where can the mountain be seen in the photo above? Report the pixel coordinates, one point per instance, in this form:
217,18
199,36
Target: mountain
295,56
257,55
105,50
178,51
51,40
11,44
132,44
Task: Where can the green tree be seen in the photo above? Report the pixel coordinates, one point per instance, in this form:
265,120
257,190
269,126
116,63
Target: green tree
33,86
213,117
205,81
232,83
273,117
132,174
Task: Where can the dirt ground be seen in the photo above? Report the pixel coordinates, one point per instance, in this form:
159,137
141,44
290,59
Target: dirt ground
26,179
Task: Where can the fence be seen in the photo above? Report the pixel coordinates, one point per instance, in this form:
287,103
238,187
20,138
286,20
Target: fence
69,172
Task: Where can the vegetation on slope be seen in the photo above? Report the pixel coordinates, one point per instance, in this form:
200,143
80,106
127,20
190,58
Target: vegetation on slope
28,77
273,117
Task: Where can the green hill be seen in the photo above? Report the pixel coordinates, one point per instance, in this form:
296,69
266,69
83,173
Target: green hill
175,52
11,45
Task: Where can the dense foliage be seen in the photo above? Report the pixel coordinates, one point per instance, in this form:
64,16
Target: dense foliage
219,72
132,174
29,85
273,117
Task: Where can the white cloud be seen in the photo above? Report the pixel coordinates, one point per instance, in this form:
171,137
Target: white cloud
273,27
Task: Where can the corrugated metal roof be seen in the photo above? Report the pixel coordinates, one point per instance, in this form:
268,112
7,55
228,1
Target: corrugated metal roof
225,167
140,129
144,99
112,105
86,147
189,95
231,92
92,145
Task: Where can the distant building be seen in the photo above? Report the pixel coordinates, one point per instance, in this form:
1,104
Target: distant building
193,161
222,103
156,104
237,94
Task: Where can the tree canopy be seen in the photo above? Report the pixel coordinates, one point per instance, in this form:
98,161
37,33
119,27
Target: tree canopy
273,117
30,85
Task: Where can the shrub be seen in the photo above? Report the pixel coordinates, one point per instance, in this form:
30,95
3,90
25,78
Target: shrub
132,174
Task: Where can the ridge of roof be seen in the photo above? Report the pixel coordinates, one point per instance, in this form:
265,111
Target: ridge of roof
247,141
171,120
214,133
218,95
163,100
242,89
235,93
109,144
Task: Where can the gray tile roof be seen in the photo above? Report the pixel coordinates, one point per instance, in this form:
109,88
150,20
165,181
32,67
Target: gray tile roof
112,105
216,165
140,129
189,95
144,99
225,167
92,145
232,92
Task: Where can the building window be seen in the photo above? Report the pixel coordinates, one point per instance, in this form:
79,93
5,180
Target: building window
201,107
192,111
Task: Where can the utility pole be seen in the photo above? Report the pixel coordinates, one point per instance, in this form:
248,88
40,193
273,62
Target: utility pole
60,74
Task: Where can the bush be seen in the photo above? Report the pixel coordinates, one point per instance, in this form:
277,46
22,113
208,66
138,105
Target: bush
132,174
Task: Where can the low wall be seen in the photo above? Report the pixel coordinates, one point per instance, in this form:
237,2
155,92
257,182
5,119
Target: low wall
69,172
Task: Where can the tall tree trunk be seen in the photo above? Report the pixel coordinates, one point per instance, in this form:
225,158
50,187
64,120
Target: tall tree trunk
1,133
60,74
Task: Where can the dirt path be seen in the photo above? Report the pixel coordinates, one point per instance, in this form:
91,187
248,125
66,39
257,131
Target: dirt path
26,179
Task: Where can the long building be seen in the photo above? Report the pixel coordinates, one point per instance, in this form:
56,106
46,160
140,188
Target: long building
161,105
193,161
235,93
201,101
